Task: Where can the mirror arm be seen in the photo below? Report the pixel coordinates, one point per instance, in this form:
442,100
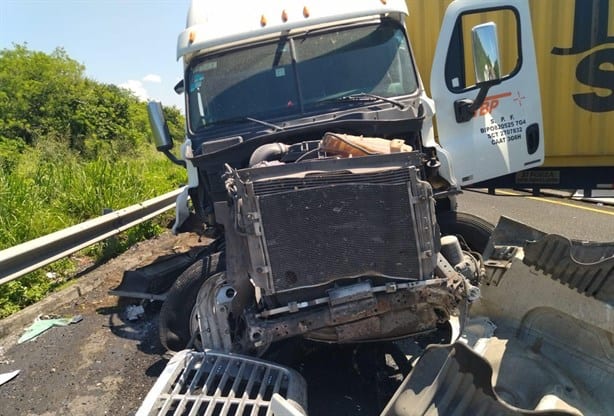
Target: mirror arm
465,109
173,158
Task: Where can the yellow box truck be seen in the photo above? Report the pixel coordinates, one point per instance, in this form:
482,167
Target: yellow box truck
574,42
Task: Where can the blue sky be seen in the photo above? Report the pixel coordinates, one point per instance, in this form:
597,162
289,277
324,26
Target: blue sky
131,43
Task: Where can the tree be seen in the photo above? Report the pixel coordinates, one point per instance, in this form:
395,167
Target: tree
37,93
47,97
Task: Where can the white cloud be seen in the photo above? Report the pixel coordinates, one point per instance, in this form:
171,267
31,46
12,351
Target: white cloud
152,78
137,88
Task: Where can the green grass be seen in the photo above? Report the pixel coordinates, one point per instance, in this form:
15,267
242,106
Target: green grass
49,187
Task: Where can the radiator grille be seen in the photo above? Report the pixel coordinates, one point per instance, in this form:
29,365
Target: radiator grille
324,232
213,383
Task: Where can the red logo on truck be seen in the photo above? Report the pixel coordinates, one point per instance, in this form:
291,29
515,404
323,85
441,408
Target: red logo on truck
490,103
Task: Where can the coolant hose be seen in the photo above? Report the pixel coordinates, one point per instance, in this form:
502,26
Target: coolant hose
268,152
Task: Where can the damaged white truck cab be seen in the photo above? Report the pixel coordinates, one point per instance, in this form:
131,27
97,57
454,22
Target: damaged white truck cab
500,135
312,160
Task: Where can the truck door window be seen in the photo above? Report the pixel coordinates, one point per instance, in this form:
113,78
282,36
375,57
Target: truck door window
460,73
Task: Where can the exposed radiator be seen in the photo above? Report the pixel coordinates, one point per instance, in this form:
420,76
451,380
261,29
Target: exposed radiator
312,228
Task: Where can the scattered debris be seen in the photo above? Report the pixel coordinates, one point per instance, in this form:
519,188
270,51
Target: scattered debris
3,359
51,275
4,377
600,196
134,312
44,322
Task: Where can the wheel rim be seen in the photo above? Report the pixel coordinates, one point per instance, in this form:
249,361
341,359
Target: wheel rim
206,294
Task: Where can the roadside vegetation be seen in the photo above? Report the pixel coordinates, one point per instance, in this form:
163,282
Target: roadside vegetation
71,147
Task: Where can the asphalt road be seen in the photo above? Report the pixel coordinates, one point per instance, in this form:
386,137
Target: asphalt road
551,214
106,364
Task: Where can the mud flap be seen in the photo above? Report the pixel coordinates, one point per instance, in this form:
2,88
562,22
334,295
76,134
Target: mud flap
154,280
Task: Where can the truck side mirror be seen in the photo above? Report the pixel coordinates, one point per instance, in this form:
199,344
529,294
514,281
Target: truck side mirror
487,65
159,128
180,87
486,53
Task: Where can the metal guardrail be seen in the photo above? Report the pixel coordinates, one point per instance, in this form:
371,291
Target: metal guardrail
24,258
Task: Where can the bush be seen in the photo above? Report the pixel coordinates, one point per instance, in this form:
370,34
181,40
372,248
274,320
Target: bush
70,147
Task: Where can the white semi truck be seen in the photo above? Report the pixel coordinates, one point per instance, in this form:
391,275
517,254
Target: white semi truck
312,162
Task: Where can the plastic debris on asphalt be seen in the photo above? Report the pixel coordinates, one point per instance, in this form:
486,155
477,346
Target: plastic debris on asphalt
4,377
45,322
3,359
134,312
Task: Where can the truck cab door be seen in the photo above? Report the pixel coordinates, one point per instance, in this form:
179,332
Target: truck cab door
501,131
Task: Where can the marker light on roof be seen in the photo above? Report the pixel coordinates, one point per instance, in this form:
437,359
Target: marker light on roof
262,21
383,1
305,12
284,16
192,36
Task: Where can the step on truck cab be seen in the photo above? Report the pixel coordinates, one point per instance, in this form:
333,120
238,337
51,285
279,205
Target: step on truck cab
312,160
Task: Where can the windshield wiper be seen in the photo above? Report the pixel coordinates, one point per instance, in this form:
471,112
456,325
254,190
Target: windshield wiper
265,123
364,96
245,119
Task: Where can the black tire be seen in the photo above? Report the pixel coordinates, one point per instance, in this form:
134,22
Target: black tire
474,230
176,310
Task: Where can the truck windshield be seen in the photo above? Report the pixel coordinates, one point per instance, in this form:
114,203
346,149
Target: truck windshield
300,74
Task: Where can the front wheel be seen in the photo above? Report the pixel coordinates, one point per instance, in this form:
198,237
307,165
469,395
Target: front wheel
475,231
177,316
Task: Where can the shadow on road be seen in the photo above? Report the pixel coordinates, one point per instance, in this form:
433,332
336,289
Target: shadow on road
143,329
